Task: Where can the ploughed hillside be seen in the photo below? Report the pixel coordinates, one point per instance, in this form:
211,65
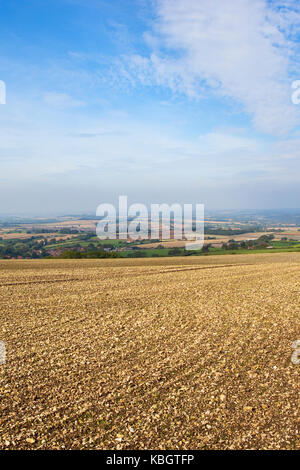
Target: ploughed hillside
169,353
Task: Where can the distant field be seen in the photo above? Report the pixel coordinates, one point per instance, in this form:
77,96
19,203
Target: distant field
161,353
26,236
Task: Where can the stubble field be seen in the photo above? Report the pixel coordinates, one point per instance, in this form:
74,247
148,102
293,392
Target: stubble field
176,353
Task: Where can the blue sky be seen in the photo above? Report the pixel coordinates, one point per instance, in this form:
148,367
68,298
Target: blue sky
163,100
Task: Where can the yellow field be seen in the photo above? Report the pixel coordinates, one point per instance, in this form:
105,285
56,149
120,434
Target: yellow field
177,353
26,236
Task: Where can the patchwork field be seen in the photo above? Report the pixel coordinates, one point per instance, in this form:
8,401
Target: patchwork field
165,353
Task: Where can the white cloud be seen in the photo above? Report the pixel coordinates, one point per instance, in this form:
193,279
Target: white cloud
61,100
220,143
242,49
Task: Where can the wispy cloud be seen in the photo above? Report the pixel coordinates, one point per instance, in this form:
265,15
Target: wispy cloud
245,50
61,100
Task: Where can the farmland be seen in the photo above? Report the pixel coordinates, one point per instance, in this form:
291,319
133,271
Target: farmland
71,237
164,353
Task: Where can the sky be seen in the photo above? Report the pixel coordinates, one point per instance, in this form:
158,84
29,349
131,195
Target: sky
161,100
